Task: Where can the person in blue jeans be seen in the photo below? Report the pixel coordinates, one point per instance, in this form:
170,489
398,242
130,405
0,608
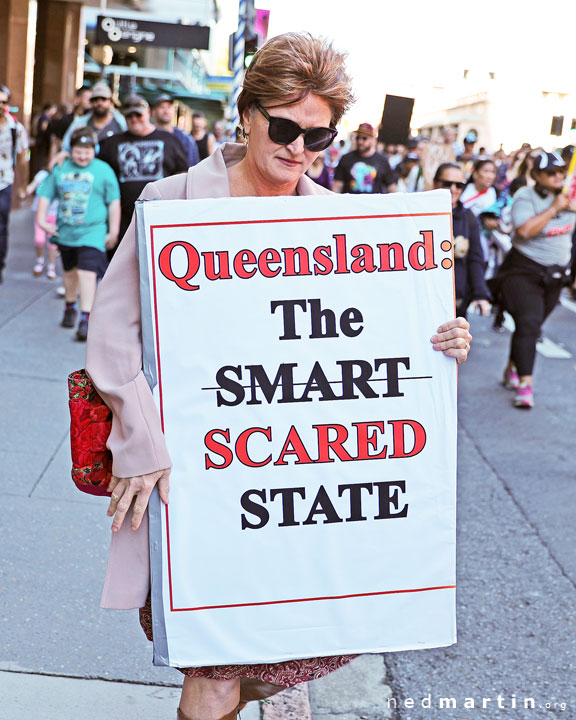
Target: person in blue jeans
88,222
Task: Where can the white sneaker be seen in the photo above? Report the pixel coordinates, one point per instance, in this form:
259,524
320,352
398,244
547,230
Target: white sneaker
38,268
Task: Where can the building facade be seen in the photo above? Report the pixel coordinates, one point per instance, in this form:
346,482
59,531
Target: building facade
44,43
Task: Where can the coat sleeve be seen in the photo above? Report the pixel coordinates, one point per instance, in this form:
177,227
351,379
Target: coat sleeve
114,362
477,287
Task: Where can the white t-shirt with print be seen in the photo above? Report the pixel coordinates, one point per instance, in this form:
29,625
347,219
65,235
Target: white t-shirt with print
6,150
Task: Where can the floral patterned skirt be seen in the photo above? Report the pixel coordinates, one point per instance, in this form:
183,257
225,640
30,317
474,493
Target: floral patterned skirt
287,673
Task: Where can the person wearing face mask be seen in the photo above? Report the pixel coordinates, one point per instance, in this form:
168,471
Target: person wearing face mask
87,222
533,273
295,92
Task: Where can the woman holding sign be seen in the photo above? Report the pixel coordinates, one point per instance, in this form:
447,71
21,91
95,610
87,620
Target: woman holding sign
295,92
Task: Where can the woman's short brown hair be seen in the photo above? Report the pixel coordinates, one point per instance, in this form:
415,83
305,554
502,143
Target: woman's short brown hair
292,66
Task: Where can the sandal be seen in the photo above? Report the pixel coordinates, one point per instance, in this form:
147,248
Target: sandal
51,272
230,716
38,268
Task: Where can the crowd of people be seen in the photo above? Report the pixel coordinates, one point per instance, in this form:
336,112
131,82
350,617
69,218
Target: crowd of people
494,197
90,161
514,237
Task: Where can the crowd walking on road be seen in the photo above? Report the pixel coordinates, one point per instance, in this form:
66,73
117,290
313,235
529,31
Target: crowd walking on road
492,194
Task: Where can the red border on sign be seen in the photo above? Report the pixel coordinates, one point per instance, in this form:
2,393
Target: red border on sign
257,222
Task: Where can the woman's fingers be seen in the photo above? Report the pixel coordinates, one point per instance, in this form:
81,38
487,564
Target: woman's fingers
164,486
136,489
122,505
116,488
453,339
458,341
460,355
140,505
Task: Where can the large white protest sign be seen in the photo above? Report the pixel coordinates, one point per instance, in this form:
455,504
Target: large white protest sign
311,425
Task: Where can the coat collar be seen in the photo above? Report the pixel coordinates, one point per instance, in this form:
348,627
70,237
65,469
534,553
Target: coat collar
209,179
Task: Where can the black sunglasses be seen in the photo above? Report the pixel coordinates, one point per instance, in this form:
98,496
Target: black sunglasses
450,183
283,132
554,171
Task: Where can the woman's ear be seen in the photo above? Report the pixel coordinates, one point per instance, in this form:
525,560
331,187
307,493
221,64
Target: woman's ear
246,121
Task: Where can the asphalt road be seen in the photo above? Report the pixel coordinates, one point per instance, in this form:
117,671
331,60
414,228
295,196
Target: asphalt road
516,536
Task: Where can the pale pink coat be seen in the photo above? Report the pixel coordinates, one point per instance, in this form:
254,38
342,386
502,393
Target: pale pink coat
114,362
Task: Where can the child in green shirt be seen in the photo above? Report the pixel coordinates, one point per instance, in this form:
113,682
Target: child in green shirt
88,222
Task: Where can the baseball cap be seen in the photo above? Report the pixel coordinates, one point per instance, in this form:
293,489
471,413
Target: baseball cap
366,129
101,90
471,137
548,161
134,104
162,98
83,136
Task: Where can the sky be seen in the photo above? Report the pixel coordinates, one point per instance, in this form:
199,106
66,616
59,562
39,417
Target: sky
399,48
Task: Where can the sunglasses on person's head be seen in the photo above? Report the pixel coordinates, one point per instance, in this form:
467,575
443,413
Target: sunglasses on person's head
452,183
283,132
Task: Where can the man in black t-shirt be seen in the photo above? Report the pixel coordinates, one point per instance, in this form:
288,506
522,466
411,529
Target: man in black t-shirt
140,155
364,170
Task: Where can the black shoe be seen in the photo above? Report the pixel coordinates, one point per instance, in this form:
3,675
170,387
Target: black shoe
69,319
82,332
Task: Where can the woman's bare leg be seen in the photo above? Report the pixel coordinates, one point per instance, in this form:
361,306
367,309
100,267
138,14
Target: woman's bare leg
205,699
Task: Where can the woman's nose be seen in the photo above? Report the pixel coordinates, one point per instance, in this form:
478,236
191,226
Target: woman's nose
297,146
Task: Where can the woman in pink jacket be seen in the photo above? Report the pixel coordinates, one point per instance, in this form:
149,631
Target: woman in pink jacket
294,94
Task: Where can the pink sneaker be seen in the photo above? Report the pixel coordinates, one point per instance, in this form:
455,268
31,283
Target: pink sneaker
524,397
511,381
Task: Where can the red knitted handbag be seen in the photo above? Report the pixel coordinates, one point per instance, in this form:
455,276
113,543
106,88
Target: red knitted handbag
90,425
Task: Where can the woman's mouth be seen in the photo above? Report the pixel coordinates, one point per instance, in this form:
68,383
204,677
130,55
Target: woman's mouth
288,162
